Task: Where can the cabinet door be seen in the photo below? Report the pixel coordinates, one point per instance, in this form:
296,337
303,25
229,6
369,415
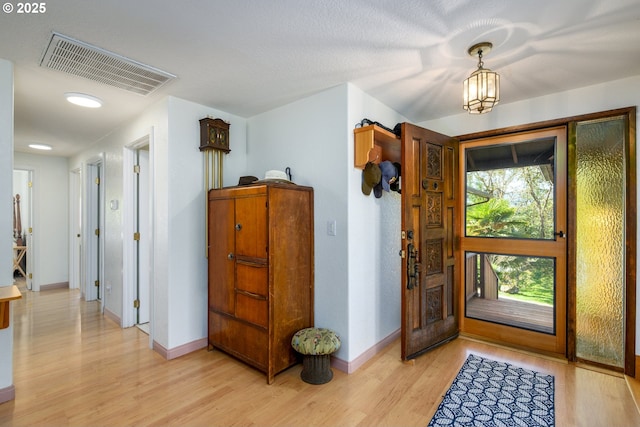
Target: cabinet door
251,227
221,255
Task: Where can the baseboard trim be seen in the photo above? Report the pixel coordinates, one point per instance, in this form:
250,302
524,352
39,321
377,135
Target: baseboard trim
7,393
351,367
112,316
181,350
49,286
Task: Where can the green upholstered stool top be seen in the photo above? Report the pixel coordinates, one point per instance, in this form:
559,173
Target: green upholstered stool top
315,341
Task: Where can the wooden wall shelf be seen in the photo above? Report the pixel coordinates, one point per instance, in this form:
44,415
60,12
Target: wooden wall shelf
367,137
7,294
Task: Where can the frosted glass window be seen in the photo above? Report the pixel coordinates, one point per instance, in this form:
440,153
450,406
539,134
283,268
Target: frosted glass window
600,261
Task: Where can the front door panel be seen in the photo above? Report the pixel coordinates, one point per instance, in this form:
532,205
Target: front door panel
429,197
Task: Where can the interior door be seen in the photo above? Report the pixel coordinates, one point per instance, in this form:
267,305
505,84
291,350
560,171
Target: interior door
93,211
144,234
429,283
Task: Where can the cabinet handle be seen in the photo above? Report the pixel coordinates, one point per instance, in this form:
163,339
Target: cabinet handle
238,226
230,256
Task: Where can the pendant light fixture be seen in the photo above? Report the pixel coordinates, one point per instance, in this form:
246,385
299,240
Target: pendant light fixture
482,88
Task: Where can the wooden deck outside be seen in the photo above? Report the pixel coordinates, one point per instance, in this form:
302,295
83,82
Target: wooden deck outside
521,314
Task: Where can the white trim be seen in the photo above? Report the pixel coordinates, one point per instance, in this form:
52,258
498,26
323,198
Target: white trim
129,224
180,350
351,367
7,393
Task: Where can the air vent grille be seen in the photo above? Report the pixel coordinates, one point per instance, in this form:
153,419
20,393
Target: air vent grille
84,60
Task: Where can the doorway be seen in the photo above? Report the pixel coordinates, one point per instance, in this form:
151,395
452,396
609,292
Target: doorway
138,243
606,140
142,243
94,253
513,238
23,253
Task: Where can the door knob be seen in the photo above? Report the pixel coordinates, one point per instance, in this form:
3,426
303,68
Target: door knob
230,256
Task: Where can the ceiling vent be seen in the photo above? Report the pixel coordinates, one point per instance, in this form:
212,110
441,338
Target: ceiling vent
84,60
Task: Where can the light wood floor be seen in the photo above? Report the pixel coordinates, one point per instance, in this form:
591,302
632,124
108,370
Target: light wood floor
74,367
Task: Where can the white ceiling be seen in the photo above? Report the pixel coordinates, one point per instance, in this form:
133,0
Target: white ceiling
249,56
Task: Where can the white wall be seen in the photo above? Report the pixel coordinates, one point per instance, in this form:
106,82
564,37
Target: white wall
592,99
6,216
187,291
310,137
374,241
50,198
357,282
110,150
179,290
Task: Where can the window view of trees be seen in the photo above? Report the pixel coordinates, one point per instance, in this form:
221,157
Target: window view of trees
516,202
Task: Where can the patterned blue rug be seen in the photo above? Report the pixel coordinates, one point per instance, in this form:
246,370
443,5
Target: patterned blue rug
490,393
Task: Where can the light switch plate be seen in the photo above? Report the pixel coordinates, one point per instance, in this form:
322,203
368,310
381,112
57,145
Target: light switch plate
331,227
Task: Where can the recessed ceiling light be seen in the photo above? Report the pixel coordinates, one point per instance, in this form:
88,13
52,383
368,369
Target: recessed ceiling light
41,146
83,100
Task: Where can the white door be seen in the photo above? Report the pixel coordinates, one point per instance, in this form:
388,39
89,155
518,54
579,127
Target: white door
93,260
142,203
75,227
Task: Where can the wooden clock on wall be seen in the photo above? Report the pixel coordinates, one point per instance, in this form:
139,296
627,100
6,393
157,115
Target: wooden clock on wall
214,135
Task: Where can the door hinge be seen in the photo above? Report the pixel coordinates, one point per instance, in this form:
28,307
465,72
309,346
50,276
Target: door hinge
30,275
97,181
30,184
96,283
136,168
30,230
403,235
136,303
97,232
136,236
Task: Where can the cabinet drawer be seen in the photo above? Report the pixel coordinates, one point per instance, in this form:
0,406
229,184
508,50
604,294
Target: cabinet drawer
252,278
253,309
243,341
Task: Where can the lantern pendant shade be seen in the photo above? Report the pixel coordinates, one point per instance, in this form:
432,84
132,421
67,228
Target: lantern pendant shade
481,91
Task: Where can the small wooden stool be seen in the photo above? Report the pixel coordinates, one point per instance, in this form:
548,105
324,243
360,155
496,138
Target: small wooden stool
316,346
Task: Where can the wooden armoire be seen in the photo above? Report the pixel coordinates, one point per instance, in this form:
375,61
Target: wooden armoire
260,271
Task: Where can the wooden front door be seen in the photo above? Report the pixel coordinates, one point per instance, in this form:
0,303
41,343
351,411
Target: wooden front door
430,285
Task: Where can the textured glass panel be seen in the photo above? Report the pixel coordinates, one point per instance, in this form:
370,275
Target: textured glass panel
600,181
512,290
